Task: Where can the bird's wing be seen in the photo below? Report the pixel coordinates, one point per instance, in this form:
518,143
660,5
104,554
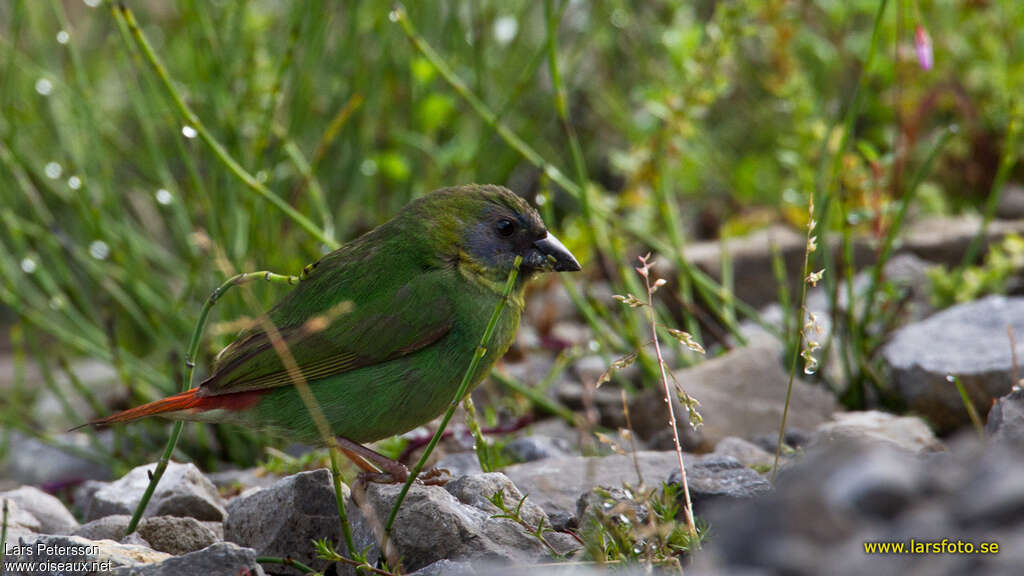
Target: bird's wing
365,320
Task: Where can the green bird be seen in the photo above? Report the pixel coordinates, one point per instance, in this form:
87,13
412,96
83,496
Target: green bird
383,328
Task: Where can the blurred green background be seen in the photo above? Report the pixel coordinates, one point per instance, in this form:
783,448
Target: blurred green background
693,120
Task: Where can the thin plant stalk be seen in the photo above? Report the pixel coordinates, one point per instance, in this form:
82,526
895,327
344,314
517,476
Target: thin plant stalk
972,413
644,271
3,536
192,119
481,350
186,384
799,340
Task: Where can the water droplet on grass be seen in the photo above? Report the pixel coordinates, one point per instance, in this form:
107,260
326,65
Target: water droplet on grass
63,37
393,16
28,265
505,29
44,87
74,182
189,132
99,250
368,167
53,170
164,197
92,3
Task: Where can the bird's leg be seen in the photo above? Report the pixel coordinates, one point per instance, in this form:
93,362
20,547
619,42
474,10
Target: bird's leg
377,467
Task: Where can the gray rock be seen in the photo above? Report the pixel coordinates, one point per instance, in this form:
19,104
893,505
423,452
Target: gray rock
530,448
106,528
221,559
100,556
906,432
20,519
944,239
993,495
720,478
555,484
434,524
53,517
1006,418
284,518
967,341
827,504
183,491
741,393
881,484
176,535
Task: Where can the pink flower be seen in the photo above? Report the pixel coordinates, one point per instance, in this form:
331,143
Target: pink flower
923,47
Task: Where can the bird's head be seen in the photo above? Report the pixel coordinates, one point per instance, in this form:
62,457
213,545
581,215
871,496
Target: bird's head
484,228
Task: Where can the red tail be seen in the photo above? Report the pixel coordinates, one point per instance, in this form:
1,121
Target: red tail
183,401
188,400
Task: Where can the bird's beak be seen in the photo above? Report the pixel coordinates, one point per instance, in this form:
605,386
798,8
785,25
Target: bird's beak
557,257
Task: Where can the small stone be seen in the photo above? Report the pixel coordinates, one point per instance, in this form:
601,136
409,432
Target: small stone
906,432
220,559
176,535
967,341
284,518
1006,419
53,516
183,491
433,524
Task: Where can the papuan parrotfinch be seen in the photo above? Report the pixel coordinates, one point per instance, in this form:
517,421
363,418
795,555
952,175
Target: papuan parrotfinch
383,328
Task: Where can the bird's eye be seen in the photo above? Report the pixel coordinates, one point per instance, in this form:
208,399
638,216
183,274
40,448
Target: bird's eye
505,227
